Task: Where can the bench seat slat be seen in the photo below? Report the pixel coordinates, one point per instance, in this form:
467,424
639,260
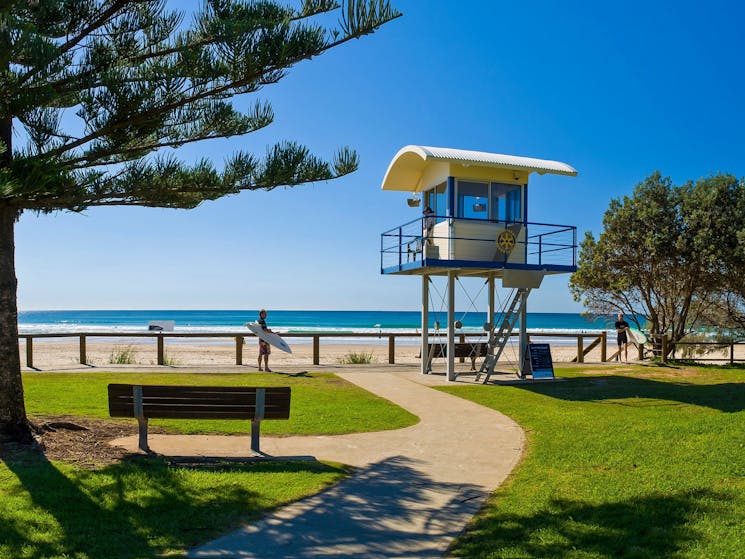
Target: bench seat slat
152,412
245,400
202,414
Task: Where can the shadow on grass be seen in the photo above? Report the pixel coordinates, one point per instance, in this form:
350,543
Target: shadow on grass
387,509
303,374
704,365
727,397
133,509
649,526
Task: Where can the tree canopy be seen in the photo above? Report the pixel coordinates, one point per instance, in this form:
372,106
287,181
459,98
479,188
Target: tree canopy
669,254
97,95
97,87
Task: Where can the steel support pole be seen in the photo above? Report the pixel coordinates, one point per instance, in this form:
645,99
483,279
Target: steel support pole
451,326
425,324
523,332
492,309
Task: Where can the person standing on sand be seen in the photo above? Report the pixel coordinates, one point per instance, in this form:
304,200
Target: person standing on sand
264,348
623,340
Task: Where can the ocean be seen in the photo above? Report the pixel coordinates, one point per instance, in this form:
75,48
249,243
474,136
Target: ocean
284,321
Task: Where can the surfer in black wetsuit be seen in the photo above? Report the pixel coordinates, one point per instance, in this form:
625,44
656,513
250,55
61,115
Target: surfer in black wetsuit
264,348
623,340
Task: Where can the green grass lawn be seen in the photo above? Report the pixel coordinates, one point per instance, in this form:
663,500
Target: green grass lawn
148,508
322,403
634,462
138,509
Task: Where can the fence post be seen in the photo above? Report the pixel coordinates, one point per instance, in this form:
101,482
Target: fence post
30,352
161,350
641,352
83,356
580,349
732,353
664,348
316,357
239,350
603,346
462,340
391,349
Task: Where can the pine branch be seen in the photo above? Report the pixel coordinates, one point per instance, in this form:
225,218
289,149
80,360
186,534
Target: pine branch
103,18
217,91
169,183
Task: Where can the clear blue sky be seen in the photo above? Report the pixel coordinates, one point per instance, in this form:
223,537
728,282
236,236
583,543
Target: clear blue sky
617,90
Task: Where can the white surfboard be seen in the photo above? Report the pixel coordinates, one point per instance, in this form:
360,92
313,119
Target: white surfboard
637,336
269,337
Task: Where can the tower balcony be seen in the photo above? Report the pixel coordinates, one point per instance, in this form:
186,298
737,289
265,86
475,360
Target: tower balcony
435,245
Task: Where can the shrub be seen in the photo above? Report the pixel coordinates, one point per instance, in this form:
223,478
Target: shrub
364,358
122,355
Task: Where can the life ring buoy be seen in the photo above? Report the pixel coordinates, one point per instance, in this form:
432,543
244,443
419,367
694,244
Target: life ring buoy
506,241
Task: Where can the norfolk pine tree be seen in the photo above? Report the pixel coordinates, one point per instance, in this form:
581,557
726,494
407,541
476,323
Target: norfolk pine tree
93,93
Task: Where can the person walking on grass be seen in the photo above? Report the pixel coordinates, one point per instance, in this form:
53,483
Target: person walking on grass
623,339
264,348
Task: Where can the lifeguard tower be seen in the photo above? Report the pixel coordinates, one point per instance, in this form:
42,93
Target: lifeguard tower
475,223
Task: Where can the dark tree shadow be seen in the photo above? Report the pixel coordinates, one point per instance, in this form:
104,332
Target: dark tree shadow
124,513
652,526
388,509
303,374
727,397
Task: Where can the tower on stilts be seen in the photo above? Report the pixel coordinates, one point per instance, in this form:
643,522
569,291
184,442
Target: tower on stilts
475,224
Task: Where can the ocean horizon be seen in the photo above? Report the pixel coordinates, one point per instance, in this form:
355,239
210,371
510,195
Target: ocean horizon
286,321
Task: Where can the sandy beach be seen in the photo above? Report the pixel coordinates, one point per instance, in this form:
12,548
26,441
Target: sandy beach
63,353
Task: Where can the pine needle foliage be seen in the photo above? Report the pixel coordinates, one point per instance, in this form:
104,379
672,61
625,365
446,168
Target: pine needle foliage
99,91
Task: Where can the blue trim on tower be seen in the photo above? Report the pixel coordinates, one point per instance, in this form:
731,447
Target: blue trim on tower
451,196
449,264
525,204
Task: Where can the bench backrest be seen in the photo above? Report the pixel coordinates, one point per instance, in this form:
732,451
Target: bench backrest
461,350
199,402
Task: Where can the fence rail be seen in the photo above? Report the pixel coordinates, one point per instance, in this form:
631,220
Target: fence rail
665,349
160,338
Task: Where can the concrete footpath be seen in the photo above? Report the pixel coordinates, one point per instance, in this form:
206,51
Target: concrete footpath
413,491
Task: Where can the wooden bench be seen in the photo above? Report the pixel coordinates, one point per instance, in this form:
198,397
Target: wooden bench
472,351
144,402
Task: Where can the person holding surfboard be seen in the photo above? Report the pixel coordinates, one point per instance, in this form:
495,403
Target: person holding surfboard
623,341
264,348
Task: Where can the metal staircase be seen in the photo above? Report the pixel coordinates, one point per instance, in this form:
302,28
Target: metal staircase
498,339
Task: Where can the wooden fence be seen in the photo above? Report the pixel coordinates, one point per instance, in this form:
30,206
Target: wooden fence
585,342
664,349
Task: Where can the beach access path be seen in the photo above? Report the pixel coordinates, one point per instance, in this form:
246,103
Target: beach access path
413,489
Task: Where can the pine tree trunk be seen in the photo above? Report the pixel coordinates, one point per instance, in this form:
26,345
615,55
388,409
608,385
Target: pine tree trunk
13,423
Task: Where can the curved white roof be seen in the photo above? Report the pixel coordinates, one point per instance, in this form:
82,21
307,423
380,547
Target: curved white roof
406,168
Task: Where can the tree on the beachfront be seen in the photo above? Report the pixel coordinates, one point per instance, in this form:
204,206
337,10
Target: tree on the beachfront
95,94
667,254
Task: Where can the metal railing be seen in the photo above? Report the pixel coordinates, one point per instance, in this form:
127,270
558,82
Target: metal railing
540,244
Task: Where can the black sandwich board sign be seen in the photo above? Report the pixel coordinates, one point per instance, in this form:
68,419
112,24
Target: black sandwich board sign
541,364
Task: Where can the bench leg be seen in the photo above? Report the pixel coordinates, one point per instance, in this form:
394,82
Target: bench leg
255,431
143,435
